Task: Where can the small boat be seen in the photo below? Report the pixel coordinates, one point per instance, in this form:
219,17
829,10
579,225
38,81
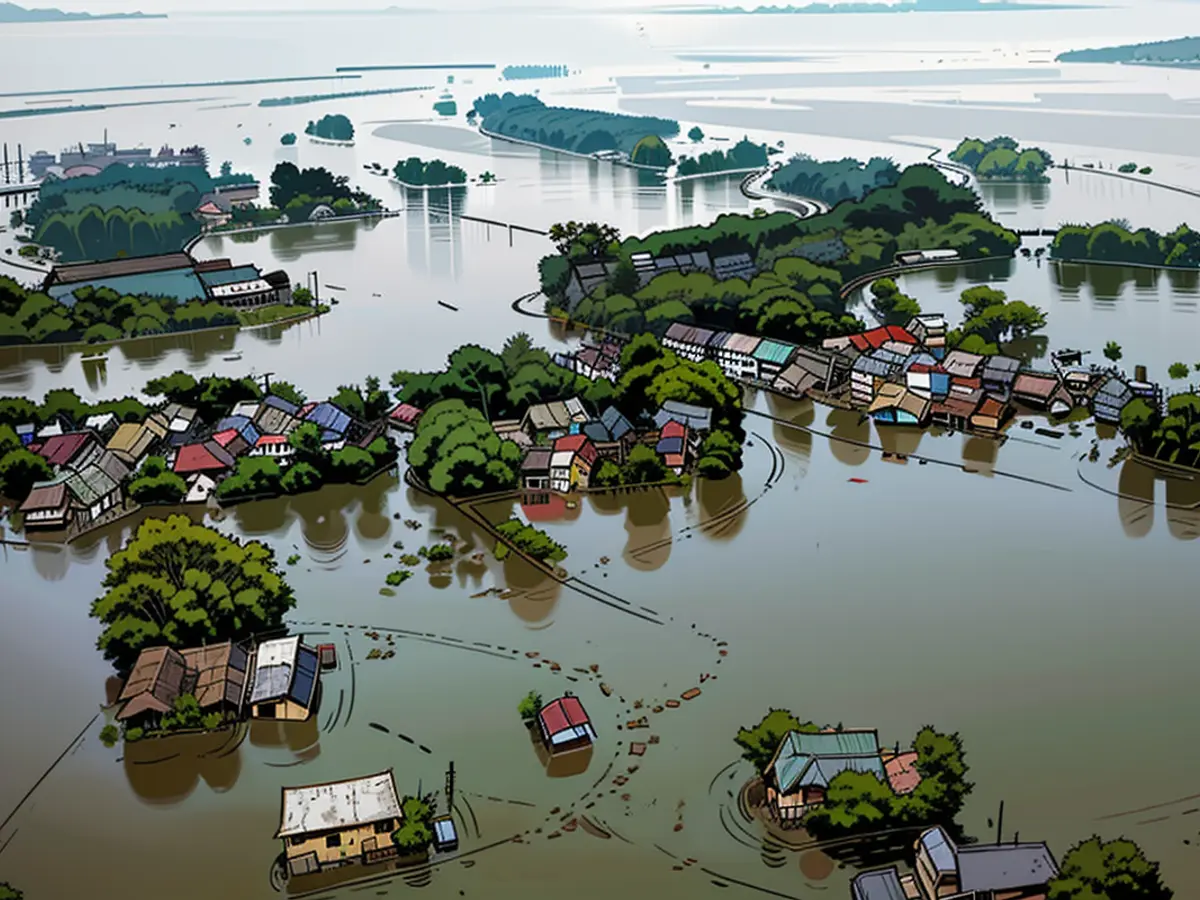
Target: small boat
233,357
447,305
334,287
328,653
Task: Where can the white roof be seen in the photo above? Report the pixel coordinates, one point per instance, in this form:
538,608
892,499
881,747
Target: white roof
575,408
280,652
241,287
98,420
247,408
562,459
339,805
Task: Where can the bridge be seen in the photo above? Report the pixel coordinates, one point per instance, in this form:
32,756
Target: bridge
509,225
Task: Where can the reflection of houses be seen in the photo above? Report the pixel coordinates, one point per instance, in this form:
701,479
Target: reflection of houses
284,680
535,469
338,823
612,434
564,725
804,764
944,871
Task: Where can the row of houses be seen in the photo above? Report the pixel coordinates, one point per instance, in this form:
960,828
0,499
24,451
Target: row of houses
587,275
905,376
174,275
277,679
95,460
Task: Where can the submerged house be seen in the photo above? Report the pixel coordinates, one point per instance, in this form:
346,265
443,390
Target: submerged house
772,358
564,725
998,375
284,680
158,677
276,416
734,353
895,404
535,469
930,330
339,823
217,676
131,443
689,341
698,419
673,446
799,773
1110,398
48,506
981,871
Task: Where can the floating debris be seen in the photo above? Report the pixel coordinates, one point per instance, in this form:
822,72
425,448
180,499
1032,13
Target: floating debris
690,694
605,689
532,654
857,480
673,704
637,749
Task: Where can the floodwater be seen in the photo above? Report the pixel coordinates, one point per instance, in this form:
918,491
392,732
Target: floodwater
1006,592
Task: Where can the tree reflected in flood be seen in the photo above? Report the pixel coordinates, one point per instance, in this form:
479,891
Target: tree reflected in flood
1135,506
165,771
1183,508
648,526
851,434
979,454
532,593
723,507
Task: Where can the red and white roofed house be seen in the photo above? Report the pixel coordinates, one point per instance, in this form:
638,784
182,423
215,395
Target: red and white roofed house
583,458
232,441
404,417
565,725
202,466
672,446
275,446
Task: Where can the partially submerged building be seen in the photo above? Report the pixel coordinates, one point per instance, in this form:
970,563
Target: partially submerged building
804,764
284,680
339,823
564,725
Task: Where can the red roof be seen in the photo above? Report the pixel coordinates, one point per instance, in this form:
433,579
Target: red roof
561,714
860,343
991,408
406,413
578,444
270,440
973,384
896,333
673,429
61,449
207,457
224,438
876,337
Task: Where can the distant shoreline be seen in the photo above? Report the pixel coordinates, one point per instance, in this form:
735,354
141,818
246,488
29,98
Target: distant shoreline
54,17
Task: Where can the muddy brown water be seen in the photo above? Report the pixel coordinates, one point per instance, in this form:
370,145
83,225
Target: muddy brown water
1049,621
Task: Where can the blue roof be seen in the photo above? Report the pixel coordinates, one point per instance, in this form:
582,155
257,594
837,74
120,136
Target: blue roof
305,679
697,418
770,351
230,276
806,760
445,831
329,417
242,425
937,845
179,284
614,420
279,403
669,445
882,885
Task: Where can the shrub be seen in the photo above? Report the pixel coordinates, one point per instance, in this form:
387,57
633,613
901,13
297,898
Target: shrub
293,559
410,559
1145,170
109,735
212,721
440,553
132,735
530,706
397,578
299,478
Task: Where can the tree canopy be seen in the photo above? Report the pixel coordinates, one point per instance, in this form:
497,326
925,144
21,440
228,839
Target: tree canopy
760,742
1002,158
1108,870
456,452
181,584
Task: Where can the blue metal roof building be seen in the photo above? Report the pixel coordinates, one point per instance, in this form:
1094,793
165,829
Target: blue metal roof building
814,760
881,885
329,418
230,276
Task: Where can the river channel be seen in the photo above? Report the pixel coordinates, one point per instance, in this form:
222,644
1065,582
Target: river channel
1004,592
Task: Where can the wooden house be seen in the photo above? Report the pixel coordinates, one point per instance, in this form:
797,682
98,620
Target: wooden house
991,416
157,679
535,469
981,871
339,823
48,506
612,435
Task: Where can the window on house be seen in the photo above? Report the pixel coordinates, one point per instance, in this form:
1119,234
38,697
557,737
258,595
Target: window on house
383,827
334,840
297,840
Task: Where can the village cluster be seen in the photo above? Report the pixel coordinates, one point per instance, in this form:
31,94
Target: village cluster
798,778
94,459
905,376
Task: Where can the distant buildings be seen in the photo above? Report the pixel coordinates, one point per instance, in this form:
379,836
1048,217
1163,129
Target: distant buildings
174,275
338,823
91,159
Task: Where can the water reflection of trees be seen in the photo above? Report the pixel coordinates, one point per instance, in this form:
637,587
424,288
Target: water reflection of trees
1136,507
533,593
723,506
979,454
164,771
648,529
796,441
1184,282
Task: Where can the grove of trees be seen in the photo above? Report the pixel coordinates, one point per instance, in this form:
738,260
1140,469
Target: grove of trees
1002,158
434,173
1114,242
331,127
832,181
745,154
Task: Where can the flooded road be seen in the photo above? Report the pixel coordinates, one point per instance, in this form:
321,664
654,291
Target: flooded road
1037,604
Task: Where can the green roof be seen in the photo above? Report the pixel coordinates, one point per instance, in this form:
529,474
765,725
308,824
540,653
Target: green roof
770,351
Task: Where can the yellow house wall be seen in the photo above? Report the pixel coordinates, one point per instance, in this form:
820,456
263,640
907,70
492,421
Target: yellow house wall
350,849
285,711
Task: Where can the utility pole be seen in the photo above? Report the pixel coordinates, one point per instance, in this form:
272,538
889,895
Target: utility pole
20,165
450,787
1000,824
266,376
6,179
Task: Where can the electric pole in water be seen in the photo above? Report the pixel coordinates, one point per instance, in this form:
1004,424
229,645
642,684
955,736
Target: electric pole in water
450,787
266,377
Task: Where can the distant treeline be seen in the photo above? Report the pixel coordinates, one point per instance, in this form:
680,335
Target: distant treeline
515,73
316,98
1002,159
833,181
745,154
585,131
1113,242
1180,50
434,173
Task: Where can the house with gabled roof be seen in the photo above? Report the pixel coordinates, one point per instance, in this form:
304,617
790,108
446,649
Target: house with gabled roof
48,506
998,375
689,341
208,458
131,443
284,680
93,493
673,446
772,357
546,419
73,450
535,469
612,434
583,459
157,679
734,353
698,419
1016,871
805,763
564,725
276,416
961,364
404,417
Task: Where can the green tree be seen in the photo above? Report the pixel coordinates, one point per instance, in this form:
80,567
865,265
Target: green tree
300,478
530,706
1112,351
883,288
183,585
302,296
695,135
155,483
760,742
254,476
644,466
306,441
1178,370
1138,420
20,470
607,475
415,833
1112,870
651,151
7,892
624,279
8,440
285,390
455,451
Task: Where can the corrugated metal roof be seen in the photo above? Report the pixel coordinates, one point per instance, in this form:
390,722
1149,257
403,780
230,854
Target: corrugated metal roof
835,751
882,885
940,850
230,276
91,485
742,343
1005,867
339,805
775,352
